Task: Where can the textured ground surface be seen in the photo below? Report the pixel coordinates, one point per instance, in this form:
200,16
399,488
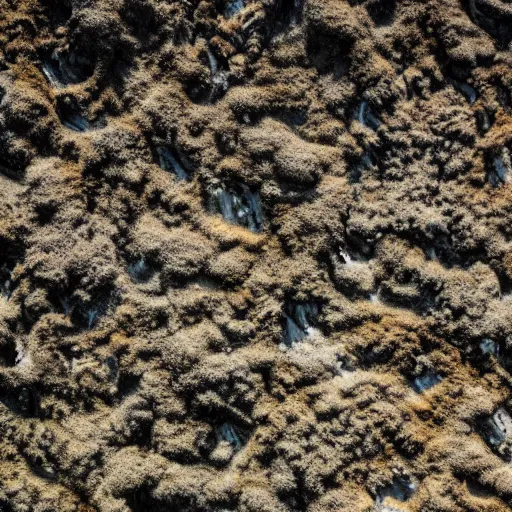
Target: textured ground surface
255,256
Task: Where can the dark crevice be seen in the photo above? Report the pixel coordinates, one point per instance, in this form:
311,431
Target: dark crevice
382,12
8,353
65,68
494,20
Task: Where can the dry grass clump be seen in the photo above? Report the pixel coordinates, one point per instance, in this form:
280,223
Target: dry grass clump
305,306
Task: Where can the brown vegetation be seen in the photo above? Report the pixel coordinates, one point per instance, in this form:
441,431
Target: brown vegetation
304,304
